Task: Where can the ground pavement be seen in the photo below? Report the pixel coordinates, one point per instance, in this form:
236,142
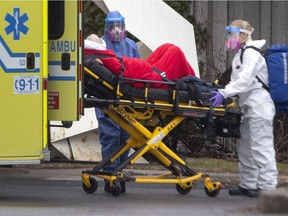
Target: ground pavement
268,202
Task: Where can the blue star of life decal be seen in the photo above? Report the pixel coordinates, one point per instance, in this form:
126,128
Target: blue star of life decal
16,23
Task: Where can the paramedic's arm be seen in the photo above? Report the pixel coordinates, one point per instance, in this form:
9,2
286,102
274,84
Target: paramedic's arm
250,68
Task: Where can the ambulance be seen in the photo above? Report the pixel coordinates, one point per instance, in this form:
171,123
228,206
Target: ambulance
40,74
41,55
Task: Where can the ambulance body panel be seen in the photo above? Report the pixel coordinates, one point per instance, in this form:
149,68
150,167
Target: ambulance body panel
23,74
32,69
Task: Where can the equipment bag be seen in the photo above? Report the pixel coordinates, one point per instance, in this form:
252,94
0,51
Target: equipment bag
200,90
277,63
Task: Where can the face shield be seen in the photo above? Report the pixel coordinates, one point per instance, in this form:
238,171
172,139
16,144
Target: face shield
115,28
116,31
232,38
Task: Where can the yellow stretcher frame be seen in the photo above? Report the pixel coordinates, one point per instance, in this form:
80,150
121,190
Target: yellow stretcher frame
130,115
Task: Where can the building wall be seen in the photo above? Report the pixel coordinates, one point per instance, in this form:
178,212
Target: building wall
269,19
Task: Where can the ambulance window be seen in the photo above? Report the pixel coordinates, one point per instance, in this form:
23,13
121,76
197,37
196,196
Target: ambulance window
55,19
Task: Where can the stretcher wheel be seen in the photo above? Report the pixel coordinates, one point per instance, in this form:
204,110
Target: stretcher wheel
93,186
116,187
213,193
183,191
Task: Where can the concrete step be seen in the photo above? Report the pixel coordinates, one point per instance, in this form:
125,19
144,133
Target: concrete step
275,201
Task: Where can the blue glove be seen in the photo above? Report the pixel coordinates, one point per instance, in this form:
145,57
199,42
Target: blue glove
217,99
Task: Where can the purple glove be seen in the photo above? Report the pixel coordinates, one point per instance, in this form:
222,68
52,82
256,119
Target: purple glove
217,99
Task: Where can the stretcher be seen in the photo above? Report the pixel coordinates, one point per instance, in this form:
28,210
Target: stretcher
149,115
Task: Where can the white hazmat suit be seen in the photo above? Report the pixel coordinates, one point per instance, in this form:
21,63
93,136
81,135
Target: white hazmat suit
256,153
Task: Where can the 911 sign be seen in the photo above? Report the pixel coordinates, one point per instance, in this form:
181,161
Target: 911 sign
26,84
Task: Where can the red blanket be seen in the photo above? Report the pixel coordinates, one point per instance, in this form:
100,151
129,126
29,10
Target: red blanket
167,58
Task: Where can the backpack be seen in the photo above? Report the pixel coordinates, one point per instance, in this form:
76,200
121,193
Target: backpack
277,63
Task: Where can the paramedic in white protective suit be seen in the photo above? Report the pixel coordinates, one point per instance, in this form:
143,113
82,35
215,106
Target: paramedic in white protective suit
255,148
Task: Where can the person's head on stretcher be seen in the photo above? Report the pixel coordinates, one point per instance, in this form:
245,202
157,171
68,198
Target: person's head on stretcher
167,58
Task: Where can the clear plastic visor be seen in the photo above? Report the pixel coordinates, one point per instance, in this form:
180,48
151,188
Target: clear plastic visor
232,32
232,38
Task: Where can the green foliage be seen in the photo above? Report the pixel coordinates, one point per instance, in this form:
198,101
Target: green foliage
201,34
94,19
182,7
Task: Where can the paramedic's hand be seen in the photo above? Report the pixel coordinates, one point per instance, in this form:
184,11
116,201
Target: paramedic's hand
217,99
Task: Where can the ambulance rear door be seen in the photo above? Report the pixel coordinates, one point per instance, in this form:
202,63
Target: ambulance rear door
65,61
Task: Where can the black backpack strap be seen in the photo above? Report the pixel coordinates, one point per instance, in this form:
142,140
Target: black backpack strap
263,54
253,47
263,84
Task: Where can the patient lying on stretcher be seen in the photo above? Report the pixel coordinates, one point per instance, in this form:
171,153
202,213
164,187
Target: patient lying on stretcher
167,58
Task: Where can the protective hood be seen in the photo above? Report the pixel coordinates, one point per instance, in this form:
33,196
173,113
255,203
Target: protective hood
257,43
114,16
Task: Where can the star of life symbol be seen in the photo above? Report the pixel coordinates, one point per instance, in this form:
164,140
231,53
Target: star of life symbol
16,23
